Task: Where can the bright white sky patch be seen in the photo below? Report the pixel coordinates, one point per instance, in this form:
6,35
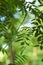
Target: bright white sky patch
3,18
5,46
28,0
37,3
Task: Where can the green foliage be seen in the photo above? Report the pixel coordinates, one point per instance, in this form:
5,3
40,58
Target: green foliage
14,14
38,29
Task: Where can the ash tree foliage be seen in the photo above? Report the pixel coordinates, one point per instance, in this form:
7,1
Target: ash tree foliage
14,14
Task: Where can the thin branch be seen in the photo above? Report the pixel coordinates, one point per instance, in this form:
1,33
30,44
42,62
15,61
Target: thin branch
22,21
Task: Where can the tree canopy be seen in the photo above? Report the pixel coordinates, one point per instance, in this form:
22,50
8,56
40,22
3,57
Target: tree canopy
16,38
